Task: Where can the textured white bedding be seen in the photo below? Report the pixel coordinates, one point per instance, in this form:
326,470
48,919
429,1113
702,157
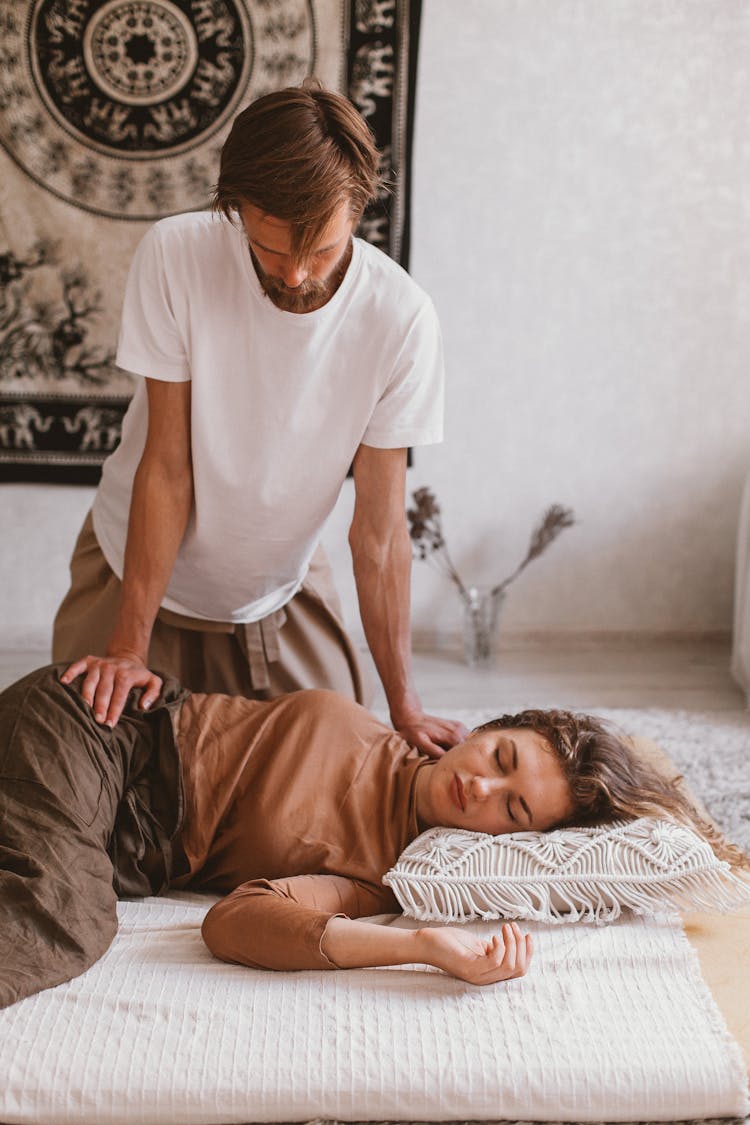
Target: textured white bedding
612,1023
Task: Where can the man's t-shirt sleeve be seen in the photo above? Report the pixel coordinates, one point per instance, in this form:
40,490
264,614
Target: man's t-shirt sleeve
150,342
410,410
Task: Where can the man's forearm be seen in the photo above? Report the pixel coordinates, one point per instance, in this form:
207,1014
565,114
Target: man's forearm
159,511
382,574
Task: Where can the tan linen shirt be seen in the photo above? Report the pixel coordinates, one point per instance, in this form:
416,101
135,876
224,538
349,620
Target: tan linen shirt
298,807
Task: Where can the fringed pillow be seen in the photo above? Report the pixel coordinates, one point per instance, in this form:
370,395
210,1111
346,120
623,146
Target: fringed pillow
648,866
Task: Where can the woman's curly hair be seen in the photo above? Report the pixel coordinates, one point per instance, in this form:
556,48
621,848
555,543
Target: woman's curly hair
609,780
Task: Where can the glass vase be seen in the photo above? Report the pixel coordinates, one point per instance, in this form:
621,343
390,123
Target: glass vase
481,617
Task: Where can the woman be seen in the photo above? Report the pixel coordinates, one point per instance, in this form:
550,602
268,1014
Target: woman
294,809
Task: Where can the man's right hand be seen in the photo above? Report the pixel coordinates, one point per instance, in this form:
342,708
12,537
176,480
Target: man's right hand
107,682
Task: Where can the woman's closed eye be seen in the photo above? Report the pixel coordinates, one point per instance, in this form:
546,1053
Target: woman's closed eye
507,757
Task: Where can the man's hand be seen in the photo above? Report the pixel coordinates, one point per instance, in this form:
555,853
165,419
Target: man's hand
474,960
429,734
107,682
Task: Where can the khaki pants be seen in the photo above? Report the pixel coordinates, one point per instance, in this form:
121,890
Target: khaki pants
303,645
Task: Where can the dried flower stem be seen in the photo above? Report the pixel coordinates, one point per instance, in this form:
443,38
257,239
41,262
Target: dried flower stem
426,532
554,520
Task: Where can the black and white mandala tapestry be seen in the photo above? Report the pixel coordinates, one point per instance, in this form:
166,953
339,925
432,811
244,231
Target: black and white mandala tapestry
112,115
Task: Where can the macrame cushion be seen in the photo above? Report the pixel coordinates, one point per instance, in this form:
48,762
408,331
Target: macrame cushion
648,866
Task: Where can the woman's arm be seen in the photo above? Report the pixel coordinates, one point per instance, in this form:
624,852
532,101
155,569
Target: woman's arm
297,923
350,944
279,924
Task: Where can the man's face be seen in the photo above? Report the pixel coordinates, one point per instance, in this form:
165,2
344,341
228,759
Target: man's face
291,285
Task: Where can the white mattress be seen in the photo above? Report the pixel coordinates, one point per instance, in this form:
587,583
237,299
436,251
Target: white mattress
612,1023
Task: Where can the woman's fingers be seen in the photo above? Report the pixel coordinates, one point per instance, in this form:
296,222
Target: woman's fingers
510,930
510,955
479,960
522,954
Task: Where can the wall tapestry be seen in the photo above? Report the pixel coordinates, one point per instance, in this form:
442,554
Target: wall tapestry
112,115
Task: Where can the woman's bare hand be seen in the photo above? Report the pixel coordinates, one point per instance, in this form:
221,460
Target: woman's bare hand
475,959
107,682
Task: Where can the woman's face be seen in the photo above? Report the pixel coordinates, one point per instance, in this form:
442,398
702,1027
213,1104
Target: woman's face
496,781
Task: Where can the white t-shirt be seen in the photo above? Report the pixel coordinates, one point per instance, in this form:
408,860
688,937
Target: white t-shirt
280,403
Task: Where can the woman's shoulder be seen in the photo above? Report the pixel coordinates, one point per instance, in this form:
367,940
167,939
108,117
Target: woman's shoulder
327,705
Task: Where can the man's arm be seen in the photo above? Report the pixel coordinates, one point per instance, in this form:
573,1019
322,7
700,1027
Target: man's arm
159,511
381,554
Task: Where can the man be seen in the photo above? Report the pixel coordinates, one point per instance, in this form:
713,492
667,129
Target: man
276,350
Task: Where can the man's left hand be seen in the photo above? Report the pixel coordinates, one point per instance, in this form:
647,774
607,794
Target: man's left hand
431,735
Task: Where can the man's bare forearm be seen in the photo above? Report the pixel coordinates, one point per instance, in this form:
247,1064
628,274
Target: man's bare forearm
381,552
382,575
159,512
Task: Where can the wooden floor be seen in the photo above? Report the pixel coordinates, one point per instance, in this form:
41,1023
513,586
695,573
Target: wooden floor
686,675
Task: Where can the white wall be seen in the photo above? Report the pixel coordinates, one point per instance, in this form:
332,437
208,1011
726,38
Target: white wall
40,524
582,220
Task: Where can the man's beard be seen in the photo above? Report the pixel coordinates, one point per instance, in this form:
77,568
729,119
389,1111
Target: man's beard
311,294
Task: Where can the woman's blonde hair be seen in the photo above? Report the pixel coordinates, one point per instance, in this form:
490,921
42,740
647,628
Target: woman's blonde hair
609,780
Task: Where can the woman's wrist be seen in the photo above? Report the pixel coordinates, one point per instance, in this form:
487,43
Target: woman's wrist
352,944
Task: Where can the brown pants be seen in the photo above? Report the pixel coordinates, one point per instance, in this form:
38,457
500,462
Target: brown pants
86,813
303,645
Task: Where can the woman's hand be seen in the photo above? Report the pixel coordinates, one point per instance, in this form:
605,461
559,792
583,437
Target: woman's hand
351,943
472,958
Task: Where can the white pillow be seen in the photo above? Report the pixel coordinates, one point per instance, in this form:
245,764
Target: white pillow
570,875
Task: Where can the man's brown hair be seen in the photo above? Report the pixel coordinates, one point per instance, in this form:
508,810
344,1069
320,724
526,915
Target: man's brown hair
297,155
